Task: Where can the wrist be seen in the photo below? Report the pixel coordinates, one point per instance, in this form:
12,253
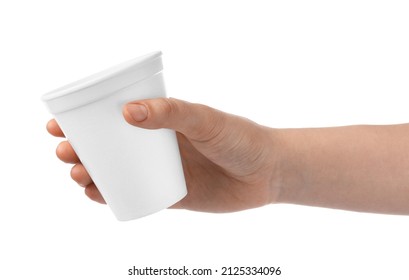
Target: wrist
285,167
275,165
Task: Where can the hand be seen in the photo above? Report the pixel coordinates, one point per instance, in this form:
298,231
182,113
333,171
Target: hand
228,161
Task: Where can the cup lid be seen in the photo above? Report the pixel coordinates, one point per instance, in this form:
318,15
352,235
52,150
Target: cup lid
101,84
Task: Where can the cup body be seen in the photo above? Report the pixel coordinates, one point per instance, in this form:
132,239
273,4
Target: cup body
137,171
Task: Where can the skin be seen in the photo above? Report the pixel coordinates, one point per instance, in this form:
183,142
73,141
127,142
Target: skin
233,164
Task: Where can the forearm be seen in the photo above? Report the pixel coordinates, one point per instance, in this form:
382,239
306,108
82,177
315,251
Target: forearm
362,168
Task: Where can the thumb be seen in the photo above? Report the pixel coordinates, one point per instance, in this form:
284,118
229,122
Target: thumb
197,122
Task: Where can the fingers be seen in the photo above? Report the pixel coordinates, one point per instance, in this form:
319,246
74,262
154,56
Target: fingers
80,175
66,153
54,129
197,122
93,193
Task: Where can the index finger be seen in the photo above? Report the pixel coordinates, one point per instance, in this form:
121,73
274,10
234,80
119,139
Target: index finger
54,129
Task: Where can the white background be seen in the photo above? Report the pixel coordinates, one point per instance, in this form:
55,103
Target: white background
280,63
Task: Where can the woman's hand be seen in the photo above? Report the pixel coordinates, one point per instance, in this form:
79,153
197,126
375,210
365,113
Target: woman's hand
228,161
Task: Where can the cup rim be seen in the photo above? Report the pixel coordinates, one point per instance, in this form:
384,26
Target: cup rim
99,77
103,84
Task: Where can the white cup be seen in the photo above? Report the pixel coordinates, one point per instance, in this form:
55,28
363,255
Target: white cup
137,171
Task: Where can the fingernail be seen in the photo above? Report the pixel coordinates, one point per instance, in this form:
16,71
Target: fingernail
137,111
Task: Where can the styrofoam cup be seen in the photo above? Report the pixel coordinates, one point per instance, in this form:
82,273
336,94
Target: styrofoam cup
138,171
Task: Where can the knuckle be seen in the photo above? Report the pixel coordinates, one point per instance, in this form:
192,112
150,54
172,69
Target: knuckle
213,125
169,107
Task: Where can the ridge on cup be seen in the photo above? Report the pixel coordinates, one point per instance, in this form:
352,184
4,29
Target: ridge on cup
103,83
